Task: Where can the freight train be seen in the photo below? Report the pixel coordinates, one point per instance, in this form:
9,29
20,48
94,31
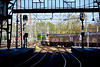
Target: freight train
71,39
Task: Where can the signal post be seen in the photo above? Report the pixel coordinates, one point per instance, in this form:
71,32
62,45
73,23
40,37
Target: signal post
82,33
25,35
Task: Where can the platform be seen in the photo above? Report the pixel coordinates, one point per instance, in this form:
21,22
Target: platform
10,57
89,56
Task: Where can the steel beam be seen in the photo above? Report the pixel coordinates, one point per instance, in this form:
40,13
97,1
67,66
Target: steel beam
53,10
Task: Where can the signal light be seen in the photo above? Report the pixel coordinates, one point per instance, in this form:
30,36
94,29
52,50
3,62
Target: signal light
82,16
25,18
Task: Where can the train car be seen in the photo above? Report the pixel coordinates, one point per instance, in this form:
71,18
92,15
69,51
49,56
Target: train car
71,39
92,39
61,39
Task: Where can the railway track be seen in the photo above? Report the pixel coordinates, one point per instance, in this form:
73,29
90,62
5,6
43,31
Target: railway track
32,61
41,57
79,64
51,57
63,58
68,58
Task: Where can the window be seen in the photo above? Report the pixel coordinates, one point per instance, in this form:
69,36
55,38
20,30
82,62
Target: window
69,0
38,0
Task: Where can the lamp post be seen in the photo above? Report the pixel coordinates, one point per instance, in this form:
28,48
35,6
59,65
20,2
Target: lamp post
97,29
97,36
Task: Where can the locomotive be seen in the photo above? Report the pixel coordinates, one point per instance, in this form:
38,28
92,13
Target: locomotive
45,40
71,39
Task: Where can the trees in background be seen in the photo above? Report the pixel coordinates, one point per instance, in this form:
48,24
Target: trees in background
73,25
61,27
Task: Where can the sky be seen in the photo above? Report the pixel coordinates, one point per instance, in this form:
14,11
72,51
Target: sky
90,16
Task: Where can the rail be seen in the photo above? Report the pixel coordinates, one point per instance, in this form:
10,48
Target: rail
32,58
74,57
40,59
63,57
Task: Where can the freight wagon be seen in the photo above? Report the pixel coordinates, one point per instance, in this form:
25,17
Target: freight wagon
71,39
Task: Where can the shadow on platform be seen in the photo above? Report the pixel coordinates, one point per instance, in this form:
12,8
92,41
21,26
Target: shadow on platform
89,57
8,58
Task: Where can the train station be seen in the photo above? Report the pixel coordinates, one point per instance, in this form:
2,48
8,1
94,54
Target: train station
49,33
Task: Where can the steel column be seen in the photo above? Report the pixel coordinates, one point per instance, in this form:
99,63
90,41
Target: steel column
8,32
44,4
0,32
17,31
8,35
99,19
21,25
1,21
11,29
82,34
99,14
16,26
55,4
